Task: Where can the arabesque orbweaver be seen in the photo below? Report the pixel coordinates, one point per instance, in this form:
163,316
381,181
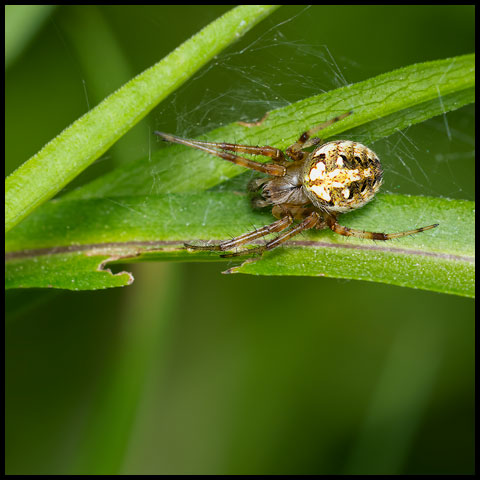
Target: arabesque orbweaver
314,188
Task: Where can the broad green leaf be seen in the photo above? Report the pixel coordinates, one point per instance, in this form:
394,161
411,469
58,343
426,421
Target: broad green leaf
382,105
49,248
79,145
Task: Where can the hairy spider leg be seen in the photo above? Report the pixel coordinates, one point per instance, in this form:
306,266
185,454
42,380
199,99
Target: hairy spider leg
306,224
295,150
351,232
276,226
273,169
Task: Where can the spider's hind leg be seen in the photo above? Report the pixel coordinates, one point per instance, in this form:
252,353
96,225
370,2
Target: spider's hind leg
276,226
309,222
295,151
352,232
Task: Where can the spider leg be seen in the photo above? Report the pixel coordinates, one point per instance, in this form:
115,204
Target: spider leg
351,232
295,151
276,226
274,169
308,223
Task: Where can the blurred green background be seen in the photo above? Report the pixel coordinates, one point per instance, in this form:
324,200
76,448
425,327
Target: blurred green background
189,371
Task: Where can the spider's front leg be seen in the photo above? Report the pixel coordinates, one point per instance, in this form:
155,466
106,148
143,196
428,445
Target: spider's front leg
276,169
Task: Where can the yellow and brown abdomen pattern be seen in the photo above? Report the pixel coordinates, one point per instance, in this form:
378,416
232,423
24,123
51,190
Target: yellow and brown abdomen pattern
342,175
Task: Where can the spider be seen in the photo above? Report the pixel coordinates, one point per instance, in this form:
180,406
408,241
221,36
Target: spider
312,188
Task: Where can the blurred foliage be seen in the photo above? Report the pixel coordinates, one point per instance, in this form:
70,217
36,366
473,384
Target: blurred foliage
190,371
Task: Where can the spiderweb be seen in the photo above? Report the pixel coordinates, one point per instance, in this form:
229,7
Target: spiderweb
278,67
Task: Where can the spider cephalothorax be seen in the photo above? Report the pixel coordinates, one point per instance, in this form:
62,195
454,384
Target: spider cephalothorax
314,187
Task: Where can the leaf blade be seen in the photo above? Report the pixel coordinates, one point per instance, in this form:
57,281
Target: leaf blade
155,227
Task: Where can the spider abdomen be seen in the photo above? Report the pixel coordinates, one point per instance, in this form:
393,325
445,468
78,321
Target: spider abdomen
341,176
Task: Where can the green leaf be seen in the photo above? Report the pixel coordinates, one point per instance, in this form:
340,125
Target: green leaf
77,270
381,105
79,145
49,247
